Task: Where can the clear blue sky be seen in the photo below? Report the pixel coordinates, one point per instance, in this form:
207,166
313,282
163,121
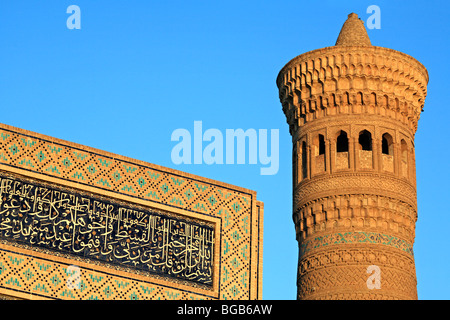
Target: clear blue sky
138,70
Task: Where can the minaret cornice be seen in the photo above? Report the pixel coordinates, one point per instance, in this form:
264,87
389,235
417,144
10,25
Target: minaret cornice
324,81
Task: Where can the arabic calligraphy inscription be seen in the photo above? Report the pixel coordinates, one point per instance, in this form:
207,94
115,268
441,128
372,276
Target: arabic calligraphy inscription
86,225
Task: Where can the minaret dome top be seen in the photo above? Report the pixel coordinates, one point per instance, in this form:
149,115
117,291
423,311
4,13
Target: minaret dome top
353,33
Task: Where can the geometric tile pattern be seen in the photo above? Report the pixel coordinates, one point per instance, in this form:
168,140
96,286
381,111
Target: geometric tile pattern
356,237
241,215
33,278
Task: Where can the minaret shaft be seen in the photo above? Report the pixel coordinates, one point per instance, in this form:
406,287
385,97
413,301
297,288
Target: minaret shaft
352,111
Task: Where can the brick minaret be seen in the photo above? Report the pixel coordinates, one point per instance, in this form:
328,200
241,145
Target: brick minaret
352,111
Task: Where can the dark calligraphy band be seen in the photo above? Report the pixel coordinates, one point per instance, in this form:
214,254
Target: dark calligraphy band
86,225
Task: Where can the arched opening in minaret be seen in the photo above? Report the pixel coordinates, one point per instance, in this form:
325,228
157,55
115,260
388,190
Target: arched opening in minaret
295,158
365,150
342,150
342,142
387,152
404,154
365,140
304,161
319,144
387,144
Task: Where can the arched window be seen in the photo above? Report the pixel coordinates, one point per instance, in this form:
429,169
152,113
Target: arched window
321,144
404,154
373,99
304,160
342,142
365,150
387,144
387,152
359,97
295,167
404,151
365,140
342,155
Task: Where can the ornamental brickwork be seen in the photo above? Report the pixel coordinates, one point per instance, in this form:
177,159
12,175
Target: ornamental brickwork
353,110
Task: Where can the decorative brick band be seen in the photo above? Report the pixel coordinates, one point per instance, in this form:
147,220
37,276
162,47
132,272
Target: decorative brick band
355,183
356,237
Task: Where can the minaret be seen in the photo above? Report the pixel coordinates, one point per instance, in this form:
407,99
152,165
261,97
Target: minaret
352,111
